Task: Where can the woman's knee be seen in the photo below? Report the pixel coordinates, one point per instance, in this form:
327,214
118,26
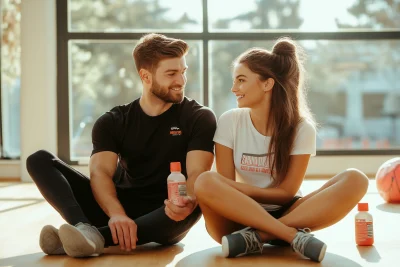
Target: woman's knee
356,180
205,184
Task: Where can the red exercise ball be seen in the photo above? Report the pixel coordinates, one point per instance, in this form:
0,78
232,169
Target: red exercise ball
388,180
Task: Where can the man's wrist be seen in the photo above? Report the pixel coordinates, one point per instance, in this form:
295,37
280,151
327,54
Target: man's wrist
117,213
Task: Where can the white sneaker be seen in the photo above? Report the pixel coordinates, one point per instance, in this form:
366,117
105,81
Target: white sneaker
81,240
50,242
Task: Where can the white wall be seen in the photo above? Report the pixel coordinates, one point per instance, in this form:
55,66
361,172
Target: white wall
38,99
38,79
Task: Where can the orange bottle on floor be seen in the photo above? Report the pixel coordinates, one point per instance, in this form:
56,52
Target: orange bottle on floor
364,226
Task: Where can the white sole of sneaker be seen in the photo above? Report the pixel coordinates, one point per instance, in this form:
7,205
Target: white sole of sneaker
49,241
75,243
322,253
225,247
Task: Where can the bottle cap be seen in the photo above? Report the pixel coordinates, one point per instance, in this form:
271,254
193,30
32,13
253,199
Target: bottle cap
362,206
175,166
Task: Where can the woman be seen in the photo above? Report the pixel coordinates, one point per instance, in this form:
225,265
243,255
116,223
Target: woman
262,153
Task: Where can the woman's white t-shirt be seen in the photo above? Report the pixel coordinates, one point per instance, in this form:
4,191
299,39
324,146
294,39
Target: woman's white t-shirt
236,131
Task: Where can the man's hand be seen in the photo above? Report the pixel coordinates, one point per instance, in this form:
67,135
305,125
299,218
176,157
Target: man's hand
124,231
179,213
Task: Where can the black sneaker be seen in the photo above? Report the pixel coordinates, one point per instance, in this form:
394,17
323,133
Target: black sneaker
240,243
307,245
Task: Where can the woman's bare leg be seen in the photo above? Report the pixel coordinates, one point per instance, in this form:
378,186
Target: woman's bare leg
218,226
215,195
327,205
223,205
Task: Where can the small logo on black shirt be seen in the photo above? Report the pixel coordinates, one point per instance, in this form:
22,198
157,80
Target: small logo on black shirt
175,131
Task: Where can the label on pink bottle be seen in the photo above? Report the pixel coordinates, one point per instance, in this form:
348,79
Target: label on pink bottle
176,192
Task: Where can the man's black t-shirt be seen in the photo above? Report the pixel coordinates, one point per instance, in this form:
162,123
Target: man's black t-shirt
146,145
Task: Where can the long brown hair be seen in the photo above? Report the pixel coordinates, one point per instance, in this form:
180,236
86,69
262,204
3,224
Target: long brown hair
153,47
288,105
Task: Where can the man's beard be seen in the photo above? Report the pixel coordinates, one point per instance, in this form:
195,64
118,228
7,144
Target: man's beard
164,93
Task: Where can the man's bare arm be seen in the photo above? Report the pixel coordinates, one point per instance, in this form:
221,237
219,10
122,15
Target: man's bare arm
197,162
102,167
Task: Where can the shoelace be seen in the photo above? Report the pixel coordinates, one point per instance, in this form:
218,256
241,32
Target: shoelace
300,240
305,230
252,243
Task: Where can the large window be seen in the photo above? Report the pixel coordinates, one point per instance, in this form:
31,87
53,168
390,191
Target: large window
354,89
10,79
352,68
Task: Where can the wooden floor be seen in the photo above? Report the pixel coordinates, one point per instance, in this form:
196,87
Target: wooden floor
23,213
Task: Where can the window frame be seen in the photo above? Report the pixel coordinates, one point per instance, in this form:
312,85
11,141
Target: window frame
63,65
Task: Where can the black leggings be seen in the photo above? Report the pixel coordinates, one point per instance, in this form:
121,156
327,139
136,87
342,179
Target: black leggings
69,192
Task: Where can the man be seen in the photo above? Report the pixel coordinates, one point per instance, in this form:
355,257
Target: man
124,202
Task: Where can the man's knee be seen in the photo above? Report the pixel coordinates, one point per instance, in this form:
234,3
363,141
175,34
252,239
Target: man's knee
173,240
37,159
177,234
